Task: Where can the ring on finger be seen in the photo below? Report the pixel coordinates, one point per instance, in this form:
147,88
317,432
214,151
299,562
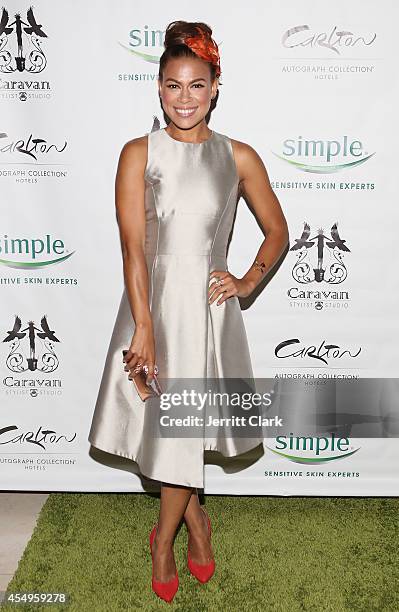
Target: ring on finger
146,369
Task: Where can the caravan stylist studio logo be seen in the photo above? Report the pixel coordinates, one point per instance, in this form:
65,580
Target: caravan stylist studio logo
320,268
22,56
144,46
29,158
327,52
31,359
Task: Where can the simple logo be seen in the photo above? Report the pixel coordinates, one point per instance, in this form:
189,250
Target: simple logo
146,44
324,352
32,359
40,438
335,271
335,40
30,148
20,44
312,450
32,253
323,156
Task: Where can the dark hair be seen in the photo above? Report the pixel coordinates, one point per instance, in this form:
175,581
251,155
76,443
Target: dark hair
175,46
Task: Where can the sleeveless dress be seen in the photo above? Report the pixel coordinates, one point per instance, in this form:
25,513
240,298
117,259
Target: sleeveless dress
191,194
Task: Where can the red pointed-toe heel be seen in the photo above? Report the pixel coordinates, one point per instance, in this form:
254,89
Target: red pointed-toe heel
203,573
164,590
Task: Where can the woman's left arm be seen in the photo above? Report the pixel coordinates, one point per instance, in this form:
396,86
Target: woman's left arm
256,188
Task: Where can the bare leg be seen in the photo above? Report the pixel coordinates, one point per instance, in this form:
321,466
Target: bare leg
198,537
174,499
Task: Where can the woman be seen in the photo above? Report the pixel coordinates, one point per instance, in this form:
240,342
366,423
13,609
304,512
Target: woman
176,193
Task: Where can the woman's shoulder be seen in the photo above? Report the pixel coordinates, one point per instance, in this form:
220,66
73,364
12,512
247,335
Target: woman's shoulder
136,144
242,148
135,150
244,153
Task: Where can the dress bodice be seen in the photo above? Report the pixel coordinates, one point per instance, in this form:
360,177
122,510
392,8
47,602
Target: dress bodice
190,195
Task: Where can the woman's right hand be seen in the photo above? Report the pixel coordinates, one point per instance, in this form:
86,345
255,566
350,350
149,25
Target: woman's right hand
141,352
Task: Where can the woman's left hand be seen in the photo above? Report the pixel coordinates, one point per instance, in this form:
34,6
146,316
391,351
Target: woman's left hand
229,286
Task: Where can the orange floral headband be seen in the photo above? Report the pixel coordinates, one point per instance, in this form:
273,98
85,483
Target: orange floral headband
205,47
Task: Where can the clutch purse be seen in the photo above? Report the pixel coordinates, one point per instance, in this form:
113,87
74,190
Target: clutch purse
146,391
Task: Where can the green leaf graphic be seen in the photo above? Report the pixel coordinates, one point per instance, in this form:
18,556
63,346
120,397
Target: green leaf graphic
312,460
323,169
29,265
153,59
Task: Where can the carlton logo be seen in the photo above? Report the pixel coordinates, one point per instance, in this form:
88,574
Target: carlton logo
323,156
312,450
30,147
41,438
324,352
333,40
145,43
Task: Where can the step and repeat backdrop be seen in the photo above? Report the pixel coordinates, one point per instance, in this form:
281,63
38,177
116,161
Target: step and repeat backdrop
313,87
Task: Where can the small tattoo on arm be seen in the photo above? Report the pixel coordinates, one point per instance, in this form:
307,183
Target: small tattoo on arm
260,265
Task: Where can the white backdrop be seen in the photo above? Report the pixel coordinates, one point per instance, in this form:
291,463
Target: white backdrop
313,87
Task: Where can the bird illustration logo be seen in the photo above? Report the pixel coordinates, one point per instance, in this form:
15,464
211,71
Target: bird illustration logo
45,360
33,60
303,272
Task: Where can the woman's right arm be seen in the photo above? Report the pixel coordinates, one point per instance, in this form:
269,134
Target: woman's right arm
130,214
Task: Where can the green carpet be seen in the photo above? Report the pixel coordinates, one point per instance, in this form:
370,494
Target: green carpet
277,554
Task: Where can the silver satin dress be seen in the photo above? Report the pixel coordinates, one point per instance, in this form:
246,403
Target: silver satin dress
191,194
